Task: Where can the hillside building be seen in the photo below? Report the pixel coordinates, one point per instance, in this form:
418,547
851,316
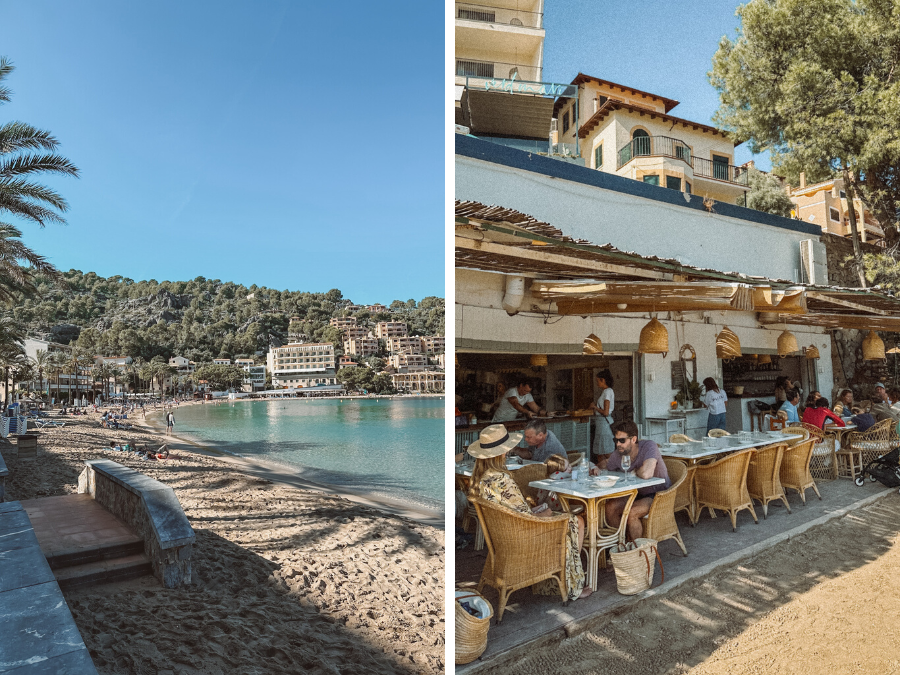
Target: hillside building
302,365
389,329
408,345
825,204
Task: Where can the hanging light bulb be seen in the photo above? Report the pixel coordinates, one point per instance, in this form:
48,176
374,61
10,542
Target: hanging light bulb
592,345
654,338
728,346
787,344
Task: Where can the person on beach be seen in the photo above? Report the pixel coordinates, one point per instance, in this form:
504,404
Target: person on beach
541,443
646,462
716,400
603,438
491,481
170,422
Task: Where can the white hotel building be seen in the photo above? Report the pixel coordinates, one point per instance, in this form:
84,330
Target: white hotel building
302,365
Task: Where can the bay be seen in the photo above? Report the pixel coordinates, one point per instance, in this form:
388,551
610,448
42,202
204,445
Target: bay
392,447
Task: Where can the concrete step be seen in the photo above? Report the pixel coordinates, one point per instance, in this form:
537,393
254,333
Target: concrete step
98,551
103,571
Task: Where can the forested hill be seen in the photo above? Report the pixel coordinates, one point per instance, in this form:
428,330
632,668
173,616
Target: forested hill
200,319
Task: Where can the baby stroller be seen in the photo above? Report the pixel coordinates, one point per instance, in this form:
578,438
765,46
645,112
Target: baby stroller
884,469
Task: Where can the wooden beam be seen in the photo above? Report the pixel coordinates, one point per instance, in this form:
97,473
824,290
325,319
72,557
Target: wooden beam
834,321
537,257
849,304
588,307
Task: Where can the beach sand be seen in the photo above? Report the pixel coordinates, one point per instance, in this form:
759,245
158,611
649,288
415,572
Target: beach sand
284,580
827,601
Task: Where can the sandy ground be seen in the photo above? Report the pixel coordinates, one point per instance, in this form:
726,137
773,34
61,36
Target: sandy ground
827,601
284,580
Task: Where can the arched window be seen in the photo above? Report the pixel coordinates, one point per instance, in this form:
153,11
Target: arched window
640,142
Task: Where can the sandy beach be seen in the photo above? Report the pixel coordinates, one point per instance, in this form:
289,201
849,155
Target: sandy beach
285,580
826,601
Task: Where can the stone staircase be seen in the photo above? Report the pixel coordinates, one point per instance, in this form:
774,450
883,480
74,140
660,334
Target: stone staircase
84,543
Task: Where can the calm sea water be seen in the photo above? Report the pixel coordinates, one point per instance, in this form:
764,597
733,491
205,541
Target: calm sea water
388,446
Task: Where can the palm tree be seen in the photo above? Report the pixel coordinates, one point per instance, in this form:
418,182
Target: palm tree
41,363
25,151
56,366
79,359
115,373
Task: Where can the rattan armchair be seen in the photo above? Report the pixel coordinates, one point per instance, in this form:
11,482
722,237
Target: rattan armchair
523,549
684,498
527,474
796,430
763,476
660,523
795,474
823,465
723,485
865,446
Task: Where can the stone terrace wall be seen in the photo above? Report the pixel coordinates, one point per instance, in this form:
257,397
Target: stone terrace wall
837,251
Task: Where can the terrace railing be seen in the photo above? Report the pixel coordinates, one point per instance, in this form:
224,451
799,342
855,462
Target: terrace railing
497,70
663,146
721,171
511,17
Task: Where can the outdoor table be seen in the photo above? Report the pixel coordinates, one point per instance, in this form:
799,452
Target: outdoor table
593,496
839,432
466,468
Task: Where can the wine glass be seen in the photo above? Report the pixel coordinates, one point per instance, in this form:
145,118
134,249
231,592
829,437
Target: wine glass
626,465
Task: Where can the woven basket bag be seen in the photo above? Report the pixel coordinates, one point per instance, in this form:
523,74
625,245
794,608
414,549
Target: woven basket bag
635,565
471,632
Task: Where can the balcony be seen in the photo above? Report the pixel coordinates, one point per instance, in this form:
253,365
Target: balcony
663,146
509,17
490,70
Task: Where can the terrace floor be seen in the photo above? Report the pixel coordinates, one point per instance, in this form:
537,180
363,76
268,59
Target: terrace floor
536,619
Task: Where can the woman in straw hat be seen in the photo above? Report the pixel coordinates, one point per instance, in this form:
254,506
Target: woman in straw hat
491,481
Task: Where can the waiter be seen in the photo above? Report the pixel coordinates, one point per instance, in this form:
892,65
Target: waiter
517,400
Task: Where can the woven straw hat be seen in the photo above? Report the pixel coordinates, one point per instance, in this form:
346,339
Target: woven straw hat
494,441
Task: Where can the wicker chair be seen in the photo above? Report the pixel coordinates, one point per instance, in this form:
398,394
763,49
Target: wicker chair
684,499
777,422
528,473
723,485
796,431
718,433
868,445
763,476
795,473
660,523
823,465
523,550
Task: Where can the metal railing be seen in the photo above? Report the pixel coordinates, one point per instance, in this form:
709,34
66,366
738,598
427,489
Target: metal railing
497,70
654,146
663,146
510,17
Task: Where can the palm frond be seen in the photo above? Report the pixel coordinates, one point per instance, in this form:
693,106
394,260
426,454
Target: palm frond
25,209
16,136
26,164
6,67
21,189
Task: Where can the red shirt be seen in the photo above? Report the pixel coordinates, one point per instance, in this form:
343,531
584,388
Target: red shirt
817,417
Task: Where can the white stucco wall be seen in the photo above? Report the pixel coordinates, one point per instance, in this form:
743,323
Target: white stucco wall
631,223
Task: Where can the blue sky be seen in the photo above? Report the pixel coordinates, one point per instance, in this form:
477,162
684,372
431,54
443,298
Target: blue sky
289,144
661,46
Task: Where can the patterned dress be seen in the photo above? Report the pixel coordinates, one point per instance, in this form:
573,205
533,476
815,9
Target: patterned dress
500,488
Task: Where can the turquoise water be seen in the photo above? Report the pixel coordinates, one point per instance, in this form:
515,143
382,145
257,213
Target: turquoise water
388,446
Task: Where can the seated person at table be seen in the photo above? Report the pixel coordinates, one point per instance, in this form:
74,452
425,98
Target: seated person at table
820,415
541,443
881,405
790,406
517,400
646,462
491,481
844,405
863,420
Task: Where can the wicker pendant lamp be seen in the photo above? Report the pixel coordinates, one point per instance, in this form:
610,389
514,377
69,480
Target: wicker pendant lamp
592,345
873,347
812,352
764,359
654,338
538,360
787,344
728,346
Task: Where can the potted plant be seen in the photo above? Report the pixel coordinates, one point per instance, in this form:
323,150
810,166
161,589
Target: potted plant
692,392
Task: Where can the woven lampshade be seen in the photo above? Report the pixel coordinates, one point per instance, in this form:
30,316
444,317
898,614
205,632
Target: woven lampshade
592,345
873,347
538,360
812,352
764,359
728,346
654,338
787,344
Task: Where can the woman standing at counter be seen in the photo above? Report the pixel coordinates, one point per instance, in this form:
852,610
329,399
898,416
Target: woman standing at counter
782,384
603,437
716,400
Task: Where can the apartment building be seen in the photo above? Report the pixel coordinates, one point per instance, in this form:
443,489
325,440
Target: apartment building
182,365
255,379
222,362
346,362
342,322
376,309
418,381
409,345
403,361
432,344
302,365
389,329
355,332
825,204
364,346
114,361
622,130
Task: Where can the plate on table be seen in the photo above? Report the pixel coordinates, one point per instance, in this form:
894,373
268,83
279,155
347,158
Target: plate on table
606,481
559,413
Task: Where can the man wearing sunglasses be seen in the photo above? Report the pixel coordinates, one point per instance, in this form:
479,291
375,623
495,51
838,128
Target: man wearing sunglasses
646,462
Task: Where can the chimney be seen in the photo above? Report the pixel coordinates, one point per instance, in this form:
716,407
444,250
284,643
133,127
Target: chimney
596,104
802,179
